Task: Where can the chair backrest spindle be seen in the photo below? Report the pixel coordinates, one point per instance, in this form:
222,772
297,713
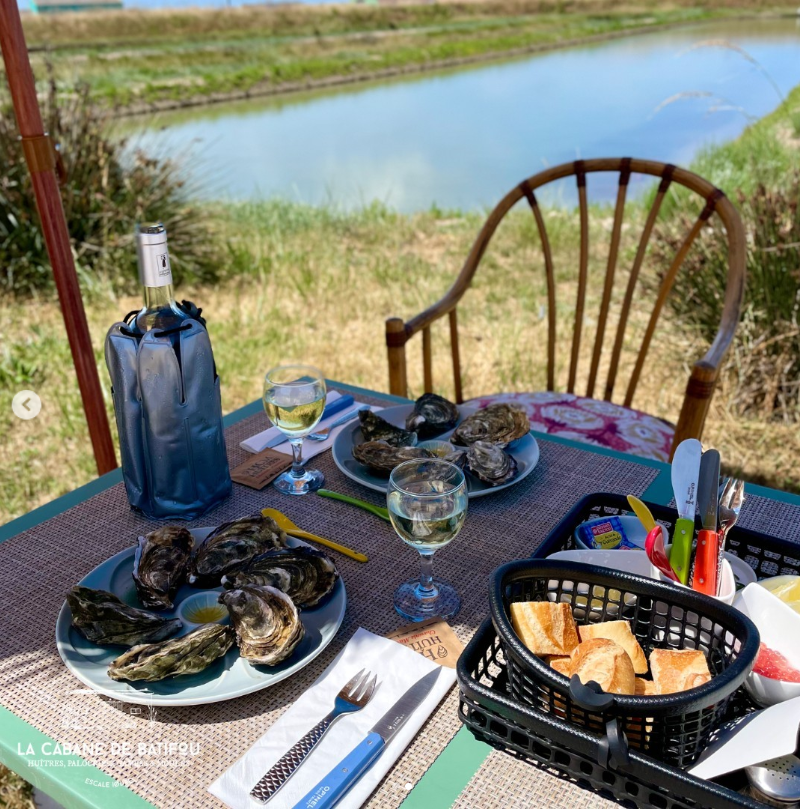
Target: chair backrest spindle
454,348
608,286
583,267
551,284
427,362
664,290
655,208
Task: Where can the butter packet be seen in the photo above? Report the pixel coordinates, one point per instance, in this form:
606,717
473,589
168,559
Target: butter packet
606,534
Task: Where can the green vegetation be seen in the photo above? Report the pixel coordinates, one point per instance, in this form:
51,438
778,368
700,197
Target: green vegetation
172,57
761,171
106,192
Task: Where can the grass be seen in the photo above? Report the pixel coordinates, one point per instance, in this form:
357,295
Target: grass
174,56
15,793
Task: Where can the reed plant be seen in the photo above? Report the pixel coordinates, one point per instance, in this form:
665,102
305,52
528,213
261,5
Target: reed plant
109,187
762,372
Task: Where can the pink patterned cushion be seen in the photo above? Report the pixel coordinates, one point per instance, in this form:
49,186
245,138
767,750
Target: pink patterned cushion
591,421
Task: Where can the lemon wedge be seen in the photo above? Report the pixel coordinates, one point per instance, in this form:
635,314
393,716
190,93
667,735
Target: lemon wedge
786,588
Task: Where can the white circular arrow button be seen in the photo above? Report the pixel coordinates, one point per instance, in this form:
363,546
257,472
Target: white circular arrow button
26,405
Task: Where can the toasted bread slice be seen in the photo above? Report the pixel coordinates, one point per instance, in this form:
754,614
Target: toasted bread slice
620,633
545,627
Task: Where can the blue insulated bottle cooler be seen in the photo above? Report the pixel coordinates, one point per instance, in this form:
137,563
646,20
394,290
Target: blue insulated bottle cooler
169,416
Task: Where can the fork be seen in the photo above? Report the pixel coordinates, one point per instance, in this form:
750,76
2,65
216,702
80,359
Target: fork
730,504
353,697
322,435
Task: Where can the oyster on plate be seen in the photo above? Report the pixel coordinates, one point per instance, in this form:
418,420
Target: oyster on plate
375,428
267,624
188,654
432,415
381,457
103,619
498,424
231,546
490,463
305,574
159,566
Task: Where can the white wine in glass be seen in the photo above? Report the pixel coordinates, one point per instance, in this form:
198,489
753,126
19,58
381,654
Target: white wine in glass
427,502
294,399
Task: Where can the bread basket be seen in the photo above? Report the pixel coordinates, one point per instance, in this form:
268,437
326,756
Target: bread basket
674,728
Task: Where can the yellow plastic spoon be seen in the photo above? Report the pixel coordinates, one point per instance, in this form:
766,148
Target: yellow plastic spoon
290,528
642,512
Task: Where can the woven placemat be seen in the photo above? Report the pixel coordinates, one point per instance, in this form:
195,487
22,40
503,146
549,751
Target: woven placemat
38,566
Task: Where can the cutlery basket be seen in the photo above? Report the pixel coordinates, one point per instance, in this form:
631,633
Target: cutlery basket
673,728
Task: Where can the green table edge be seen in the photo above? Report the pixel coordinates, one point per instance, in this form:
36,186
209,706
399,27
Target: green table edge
441,784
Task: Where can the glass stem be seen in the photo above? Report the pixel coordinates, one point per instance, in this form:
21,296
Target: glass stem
297,457
426,584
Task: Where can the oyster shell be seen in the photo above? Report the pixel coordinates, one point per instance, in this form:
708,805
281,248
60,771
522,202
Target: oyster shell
498,424
432,415
103,619
306,575
375,428
159,566
188,654
231,546
266,621
381,457
490,463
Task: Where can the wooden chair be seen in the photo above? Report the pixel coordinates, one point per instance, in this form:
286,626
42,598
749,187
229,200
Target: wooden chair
704,374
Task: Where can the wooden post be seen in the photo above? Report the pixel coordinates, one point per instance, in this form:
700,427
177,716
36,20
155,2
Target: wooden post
396,348
40,157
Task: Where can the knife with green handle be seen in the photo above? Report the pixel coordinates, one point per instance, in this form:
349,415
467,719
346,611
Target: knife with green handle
378,511
685,473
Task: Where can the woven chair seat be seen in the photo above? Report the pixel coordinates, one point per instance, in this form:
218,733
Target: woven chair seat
591,421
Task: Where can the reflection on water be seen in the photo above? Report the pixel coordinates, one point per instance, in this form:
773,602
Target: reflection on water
462,139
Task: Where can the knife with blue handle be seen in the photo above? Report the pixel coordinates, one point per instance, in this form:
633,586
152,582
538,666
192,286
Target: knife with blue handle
333,787
336,406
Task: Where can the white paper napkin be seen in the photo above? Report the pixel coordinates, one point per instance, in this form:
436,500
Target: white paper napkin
258,443
397,667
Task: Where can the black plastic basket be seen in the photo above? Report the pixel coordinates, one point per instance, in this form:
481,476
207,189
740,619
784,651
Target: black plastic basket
673,728
632,777
767,555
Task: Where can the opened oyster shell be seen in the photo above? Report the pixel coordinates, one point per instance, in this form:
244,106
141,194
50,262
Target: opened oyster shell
432,415
382,457
188,654
375,428
267,624
306,575
159,566
231,546
498,424
490,463
103,619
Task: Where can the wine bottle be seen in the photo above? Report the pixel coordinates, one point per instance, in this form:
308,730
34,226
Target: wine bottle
155,273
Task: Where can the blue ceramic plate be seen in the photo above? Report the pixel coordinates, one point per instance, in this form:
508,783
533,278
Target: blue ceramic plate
226,678
525,451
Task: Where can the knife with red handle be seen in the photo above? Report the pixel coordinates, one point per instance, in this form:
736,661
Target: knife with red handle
707,554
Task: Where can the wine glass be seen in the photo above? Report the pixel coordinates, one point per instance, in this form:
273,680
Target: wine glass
427,501
294,398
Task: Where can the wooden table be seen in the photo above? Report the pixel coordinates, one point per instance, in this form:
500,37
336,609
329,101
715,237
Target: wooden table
73,781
